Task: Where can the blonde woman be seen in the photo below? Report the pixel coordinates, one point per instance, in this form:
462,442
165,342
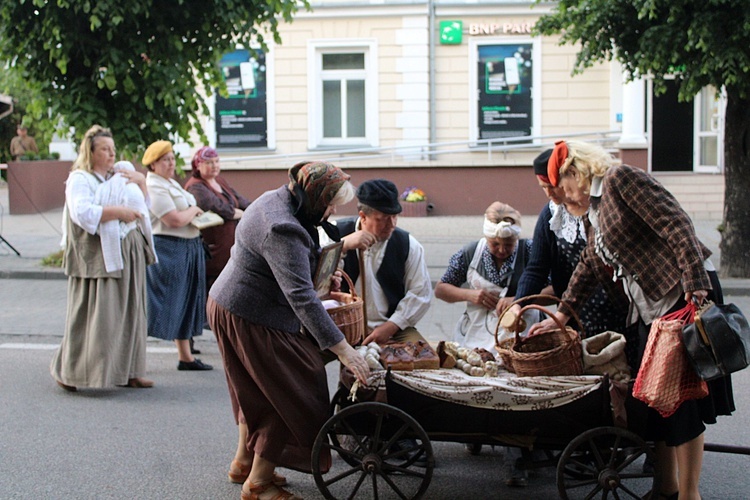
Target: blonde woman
639,234
104,344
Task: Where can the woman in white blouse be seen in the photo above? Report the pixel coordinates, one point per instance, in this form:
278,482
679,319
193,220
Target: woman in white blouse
105,329
177,284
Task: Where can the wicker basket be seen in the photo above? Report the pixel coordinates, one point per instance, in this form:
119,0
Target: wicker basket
349,317
557,352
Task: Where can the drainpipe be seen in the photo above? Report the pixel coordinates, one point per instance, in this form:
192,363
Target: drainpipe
433,117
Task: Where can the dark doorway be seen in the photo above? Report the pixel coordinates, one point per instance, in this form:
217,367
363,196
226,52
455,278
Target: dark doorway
672,132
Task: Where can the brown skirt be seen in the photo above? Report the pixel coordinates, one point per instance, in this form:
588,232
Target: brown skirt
277,385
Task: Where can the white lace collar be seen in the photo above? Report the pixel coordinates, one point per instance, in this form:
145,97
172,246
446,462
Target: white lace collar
565,225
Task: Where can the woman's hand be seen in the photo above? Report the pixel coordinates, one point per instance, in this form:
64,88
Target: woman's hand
358,240
503,304
129,215
548,324
698,295
134,177
484,298
353,360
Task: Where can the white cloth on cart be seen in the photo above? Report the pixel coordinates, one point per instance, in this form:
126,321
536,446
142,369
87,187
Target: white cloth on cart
506,392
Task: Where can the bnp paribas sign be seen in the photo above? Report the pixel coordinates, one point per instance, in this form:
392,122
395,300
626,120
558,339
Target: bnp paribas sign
451,32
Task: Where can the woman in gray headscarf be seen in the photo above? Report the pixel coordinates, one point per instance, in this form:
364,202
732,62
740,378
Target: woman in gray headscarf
270,325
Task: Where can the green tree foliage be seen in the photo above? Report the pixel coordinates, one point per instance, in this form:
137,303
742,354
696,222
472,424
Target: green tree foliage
11,84
700,43
136,66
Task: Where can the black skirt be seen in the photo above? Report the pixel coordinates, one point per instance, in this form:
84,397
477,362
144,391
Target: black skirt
688,422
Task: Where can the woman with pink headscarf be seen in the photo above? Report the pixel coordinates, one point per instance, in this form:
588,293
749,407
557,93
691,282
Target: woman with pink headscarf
213,193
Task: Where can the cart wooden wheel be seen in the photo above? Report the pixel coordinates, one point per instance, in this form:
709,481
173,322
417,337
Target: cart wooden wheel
606,462
378,464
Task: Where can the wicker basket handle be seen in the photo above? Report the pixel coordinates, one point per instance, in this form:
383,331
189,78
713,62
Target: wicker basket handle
348,282
546,311
553,298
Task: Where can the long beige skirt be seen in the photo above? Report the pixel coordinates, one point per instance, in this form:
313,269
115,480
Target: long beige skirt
104,343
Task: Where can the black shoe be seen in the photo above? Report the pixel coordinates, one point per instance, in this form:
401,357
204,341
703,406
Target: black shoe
474,448
193,350
194,365
409,444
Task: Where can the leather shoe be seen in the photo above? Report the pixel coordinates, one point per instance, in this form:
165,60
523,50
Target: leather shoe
238,473
68,388
138,383
194,365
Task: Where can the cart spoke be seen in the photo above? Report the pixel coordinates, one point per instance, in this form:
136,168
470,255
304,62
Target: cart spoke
395,488
583,465
342,475
613,453
351,432
390,469
630,492
396,436
597,453
593,493
580,484
628,460
344,451
357,486
374,486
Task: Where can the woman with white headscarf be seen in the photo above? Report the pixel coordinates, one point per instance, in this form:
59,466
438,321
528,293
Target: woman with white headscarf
491,267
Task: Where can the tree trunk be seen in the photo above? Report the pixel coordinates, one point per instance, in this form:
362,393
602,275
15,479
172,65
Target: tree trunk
735,235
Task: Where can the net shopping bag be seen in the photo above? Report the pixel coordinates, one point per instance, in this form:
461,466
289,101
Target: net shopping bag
666,379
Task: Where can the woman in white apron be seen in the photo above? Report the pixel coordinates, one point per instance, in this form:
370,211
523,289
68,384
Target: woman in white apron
491,268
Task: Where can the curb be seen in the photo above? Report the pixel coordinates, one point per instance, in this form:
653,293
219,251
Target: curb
33,275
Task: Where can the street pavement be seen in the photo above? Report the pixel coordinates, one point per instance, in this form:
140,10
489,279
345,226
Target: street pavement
177,439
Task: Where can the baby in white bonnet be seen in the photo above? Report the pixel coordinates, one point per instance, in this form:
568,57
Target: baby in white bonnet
118,191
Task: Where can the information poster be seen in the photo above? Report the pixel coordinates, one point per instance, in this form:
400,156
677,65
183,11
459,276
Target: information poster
505,80
242,116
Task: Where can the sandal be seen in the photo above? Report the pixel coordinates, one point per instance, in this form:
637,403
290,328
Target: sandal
251,491
238,474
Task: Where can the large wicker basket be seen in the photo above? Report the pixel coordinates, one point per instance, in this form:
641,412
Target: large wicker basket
557,352
349,316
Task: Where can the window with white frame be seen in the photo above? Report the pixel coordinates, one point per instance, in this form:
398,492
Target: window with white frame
343,101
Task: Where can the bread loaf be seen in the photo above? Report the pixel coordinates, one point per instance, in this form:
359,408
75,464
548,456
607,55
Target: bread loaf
409,356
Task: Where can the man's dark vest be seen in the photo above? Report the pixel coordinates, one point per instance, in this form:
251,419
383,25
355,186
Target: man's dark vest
518,267
392,269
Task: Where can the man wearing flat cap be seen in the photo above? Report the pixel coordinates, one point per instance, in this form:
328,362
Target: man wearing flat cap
398,288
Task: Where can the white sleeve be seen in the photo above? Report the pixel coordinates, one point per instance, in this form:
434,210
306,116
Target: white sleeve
416,302
79,197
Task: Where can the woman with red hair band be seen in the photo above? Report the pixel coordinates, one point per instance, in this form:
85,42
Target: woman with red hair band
638,234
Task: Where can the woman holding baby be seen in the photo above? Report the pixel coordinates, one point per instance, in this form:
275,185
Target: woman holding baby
104,343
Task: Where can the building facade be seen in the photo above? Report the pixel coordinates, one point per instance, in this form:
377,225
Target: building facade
455,97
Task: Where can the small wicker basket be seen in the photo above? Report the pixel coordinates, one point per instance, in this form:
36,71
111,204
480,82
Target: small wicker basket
349,317
557,352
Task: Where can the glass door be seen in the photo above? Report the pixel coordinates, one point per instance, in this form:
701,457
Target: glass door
709,131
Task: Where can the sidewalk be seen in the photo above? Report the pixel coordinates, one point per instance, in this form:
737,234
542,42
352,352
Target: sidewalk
36,236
